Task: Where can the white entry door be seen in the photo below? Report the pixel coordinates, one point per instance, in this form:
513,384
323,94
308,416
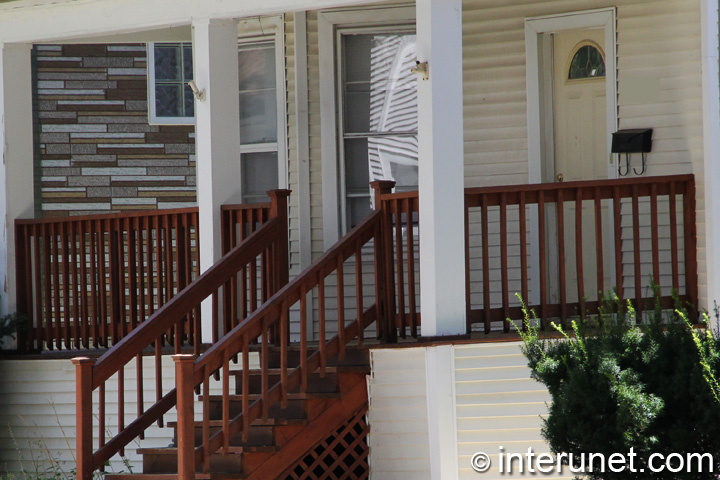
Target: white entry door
580,153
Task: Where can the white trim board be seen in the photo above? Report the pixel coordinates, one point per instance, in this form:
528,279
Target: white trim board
328,23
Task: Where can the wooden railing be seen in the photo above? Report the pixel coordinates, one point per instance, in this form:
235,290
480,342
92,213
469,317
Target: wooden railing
87,282
271,324
594,236
270,242
579,240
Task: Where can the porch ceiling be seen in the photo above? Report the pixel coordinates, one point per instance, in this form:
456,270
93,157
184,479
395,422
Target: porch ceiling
33,21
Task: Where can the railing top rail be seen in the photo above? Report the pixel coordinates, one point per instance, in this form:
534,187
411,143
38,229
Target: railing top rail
536,187
163,319
245,206
213,355
107,216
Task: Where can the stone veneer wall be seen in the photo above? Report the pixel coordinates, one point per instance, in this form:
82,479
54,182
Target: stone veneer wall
95,151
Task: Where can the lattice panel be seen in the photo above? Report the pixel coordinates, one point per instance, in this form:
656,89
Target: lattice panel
342,455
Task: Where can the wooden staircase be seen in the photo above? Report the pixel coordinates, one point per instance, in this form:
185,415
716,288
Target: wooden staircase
320,433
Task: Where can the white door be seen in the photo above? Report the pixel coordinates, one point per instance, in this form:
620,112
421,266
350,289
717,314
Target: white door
580,153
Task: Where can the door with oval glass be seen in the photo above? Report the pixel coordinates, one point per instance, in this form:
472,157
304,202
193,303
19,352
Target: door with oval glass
579,153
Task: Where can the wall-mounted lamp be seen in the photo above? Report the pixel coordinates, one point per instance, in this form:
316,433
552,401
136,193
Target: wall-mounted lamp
632,140
421,68
199,94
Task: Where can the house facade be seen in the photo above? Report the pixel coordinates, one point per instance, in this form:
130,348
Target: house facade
502,96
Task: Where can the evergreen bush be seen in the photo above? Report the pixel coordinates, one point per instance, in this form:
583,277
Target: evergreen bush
616,385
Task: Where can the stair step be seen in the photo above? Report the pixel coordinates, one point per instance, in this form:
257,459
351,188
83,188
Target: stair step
316,382
290,396
152,476
353,357
164,460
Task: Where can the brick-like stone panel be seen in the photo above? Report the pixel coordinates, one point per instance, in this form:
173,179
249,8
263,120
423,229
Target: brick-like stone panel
96,150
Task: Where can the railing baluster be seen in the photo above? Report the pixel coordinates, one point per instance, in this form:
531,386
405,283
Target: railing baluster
504,262
359,293
39,311
103,293
64,255
47,278
140,387
411,266
523,250
579,251
617,224
636,253
468,284
303,338
543,259
485,262
284,341
654,232
401,323
84,311
245,388
73,260
226,401
674,239
341,305
561,256
121,403
55,277
690,228
264,367
321,323
599,251
94,283
141,242
206,419
158,375
132,229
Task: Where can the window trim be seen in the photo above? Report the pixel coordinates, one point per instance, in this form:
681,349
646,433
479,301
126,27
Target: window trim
153,118
329,23
264,30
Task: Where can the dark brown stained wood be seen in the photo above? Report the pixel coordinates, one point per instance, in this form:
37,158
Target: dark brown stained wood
655,234
303,336
468,297
690,226
617,234
399,267
321,322
37,235
341,304
284,341
73,261
410,208
579,249
485,262
225,397
55,278
562,283
121,403
523,249
359,292
504,261
636,254
599,260
83,436
674,239
543,258
186,420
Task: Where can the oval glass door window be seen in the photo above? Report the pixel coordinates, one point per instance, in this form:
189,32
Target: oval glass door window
587,62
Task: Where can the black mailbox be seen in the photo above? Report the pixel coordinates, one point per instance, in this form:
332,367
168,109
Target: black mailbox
632,140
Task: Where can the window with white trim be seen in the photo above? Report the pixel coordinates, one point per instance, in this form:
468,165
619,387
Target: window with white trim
378,120
258,120
170,99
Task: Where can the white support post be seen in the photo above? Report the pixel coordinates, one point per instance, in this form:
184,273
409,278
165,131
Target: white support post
441,179
217,135
711,136
441,409
16,169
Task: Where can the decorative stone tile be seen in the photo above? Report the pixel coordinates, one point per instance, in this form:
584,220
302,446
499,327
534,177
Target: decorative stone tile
88,181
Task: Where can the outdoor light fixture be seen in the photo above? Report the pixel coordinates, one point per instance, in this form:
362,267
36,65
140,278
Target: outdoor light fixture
199,94
421,68
632,140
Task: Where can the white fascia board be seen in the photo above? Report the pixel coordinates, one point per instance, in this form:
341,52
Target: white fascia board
36,21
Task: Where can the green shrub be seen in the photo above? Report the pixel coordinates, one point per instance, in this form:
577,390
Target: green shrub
617,385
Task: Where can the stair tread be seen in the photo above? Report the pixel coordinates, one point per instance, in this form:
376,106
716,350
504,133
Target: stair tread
232,449
151,476
290,396
258,422
329,369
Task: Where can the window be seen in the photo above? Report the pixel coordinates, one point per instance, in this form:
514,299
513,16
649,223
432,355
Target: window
258,120
587,62
379,116
170,98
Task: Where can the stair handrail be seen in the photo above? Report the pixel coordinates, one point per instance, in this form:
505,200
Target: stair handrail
271,323
269,241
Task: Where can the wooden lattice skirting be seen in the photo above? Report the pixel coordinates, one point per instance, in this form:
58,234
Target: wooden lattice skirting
342,455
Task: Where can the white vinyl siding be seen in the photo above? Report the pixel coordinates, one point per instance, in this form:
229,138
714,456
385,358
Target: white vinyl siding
399,442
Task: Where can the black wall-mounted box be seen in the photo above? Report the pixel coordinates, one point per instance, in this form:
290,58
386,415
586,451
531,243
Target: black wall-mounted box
632,140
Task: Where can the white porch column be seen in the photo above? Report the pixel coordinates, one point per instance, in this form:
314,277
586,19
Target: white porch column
16,168
217,135
440,140
711,137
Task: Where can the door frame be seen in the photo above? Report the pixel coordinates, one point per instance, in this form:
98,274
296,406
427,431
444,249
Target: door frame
539,84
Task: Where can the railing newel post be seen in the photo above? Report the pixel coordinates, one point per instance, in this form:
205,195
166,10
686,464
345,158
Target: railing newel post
385,304
185,388
279,210
22,293
83,416
690,228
